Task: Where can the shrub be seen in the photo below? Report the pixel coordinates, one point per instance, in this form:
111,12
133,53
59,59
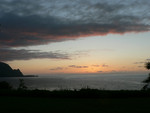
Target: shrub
5,85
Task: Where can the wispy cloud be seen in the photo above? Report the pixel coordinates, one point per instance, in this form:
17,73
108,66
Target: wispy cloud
7,54
100,71
139,62
104,65
95,65
75,66
147,59
140,66
57,68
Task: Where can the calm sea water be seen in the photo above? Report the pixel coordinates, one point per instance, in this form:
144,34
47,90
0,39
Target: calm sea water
103,81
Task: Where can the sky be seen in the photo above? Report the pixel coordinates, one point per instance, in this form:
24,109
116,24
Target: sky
75,36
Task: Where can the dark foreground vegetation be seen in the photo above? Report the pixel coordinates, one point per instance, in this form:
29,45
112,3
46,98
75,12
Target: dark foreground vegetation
82,93
73,105
86,100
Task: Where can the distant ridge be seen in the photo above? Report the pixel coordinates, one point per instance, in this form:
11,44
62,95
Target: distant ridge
7,71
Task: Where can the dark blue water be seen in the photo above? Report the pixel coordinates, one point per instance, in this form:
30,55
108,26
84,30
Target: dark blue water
105,81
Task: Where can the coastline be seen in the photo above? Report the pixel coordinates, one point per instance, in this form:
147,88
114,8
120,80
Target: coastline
21,76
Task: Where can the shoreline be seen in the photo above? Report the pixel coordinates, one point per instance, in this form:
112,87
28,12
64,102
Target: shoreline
20,76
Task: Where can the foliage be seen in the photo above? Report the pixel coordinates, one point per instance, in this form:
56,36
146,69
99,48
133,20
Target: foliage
22,85
147,81
147,65
5,85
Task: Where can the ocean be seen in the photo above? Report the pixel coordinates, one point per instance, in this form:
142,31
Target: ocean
101,81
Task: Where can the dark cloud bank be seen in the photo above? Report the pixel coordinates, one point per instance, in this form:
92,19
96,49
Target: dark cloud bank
28,23
8,54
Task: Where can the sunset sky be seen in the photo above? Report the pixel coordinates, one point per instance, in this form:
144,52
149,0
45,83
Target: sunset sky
75,36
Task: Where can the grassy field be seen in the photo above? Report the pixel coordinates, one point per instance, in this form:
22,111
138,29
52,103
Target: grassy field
10,104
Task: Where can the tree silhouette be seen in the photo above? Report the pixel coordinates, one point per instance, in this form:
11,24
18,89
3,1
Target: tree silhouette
22,85
147,65
147,81
5,85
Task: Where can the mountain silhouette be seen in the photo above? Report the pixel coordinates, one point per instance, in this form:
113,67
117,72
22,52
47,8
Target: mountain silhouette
7,71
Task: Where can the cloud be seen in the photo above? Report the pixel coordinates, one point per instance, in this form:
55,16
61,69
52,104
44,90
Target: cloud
99,71
148,60
27,23
57,68
140,66
139,62
104,65
96,65
74,66
7,54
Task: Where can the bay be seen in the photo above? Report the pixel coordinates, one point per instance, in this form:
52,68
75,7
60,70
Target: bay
72,81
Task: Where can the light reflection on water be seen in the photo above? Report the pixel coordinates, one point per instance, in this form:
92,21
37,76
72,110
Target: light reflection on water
107,82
